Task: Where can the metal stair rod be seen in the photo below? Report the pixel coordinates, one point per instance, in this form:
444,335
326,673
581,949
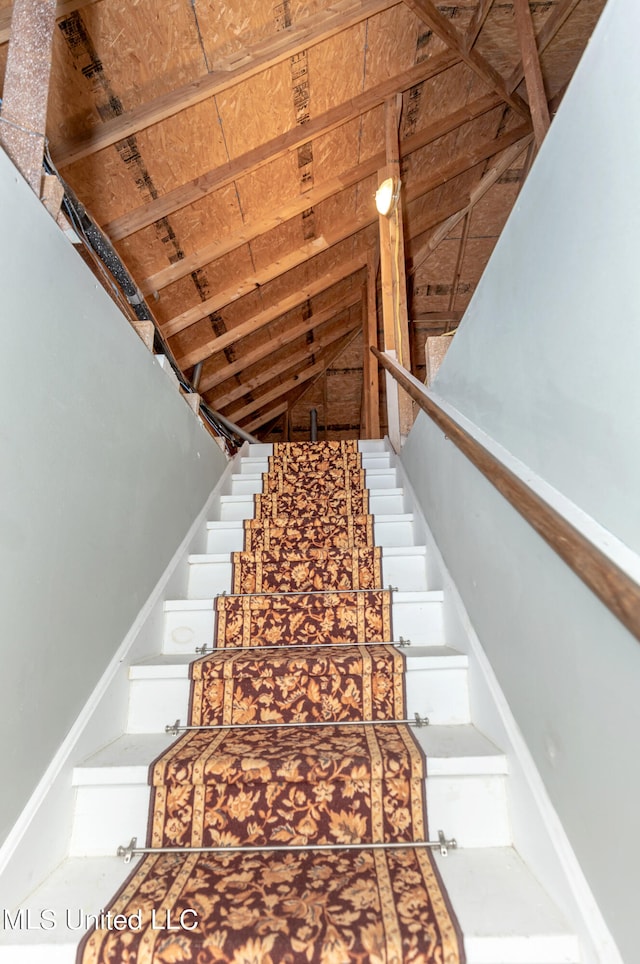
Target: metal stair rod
402,643
178,728
441,844
302,592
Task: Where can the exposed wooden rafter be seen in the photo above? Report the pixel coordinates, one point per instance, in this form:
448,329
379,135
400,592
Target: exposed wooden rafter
346,230
427,11
371,382
532,70
277,147
238,68
555,19
295,359
250,218
218,343
315,195
477,23
487,182
249,358
293,382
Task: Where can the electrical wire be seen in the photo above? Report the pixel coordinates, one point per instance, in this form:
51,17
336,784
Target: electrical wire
99,246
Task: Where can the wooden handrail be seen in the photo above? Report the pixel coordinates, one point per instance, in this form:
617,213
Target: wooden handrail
619,593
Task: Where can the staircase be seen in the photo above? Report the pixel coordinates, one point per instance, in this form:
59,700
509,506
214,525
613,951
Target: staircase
503,912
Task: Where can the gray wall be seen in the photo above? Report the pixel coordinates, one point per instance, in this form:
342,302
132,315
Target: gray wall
103,468
547,362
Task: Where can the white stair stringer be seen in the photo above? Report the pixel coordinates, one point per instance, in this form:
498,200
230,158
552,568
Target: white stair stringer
506,918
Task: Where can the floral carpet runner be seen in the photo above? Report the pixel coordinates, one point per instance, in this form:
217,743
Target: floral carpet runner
300,640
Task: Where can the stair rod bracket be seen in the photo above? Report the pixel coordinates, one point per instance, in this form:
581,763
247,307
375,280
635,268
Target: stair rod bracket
441,844
176,728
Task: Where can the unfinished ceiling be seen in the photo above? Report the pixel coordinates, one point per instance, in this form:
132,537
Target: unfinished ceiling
231,151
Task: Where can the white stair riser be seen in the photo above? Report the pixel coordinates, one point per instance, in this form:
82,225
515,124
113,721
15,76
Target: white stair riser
420,621
405,572
108,815
473,809
470,808
441,696
375,479
381,501
258,465
229,536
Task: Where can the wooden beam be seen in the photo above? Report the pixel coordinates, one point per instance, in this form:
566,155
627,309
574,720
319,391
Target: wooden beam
346,230
292,360
427,11
436,318
478,192
237,69
392,271
295,398
23,114
344,344
63,9
277,147
466,161
235,291
532,70
459,260
249,358
296,206
549,29
371,381
211,346
273,413
218,343
477,23
283,388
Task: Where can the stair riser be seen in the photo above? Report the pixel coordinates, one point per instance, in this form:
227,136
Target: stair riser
471,809
405,572
441,696
256,466
375,479
420,621
381,501
229,536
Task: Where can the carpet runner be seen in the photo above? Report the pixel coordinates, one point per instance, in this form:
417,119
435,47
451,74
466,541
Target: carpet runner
301,640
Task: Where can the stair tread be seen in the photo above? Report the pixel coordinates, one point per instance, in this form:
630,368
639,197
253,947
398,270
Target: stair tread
505,915
496,898
459,749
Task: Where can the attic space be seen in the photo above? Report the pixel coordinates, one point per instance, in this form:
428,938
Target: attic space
231,151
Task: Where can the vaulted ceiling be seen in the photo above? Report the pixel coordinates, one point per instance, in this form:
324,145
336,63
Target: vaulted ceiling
231,151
